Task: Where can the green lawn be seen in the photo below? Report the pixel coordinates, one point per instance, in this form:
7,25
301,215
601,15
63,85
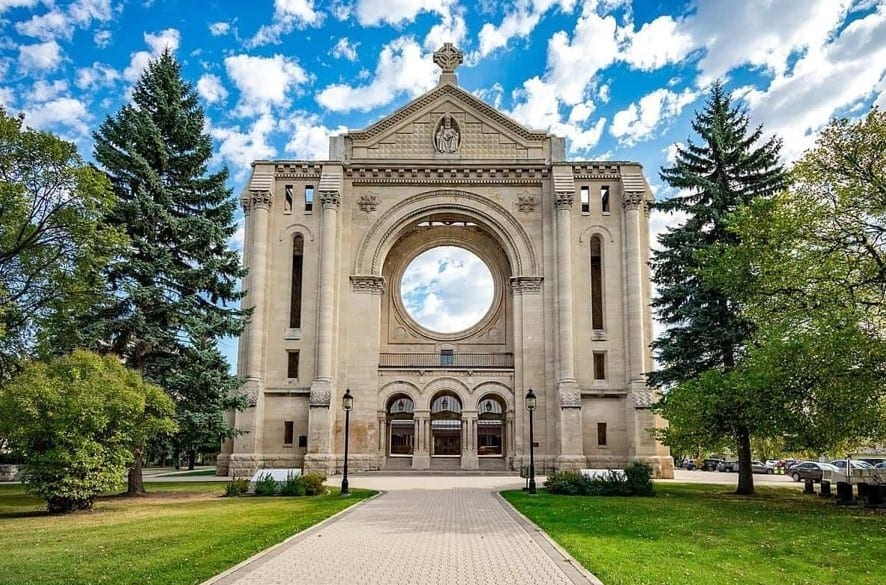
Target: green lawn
703,534
181,533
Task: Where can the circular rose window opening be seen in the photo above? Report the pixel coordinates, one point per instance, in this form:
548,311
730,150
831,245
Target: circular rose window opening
447,289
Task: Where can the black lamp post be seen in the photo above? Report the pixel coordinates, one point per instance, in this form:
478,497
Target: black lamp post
530,406
347,403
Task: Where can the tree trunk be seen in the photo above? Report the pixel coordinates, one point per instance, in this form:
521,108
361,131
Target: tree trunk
745,473
192,460
135,482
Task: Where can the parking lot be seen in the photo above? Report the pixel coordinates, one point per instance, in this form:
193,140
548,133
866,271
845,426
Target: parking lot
682,475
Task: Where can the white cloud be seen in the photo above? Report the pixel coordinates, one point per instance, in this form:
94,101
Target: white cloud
211,89
218,29
343,49
102,38
7,97
44,91
825,81
580,138
169,38
447,289
402,68
239,236
309,139
451,29
7,4
520,21
374,12
288,15
240,149
656,44
671,152
41,57
58,23
639,120
63,111
492,95
537,106
95,76
263,81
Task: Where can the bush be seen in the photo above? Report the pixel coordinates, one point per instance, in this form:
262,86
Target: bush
313,483
11,458
639,479
568,483
266,485
236,487
293,486
611,484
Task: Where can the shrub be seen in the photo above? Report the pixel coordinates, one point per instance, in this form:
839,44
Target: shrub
612,483
313,483
568,483
639,479
293,486
11,458
266,485
236,487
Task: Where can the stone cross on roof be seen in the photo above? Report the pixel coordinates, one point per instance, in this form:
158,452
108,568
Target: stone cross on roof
447,59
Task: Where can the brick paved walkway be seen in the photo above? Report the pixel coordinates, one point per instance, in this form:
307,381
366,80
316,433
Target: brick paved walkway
420,537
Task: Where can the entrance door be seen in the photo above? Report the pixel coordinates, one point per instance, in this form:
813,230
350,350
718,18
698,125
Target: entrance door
446,426
490,427
401,426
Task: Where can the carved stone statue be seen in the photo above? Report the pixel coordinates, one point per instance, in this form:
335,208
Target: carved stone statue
447,138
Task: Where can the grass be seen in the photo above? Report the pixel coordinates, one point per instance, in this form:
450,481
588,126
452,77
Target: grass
181,533
704,534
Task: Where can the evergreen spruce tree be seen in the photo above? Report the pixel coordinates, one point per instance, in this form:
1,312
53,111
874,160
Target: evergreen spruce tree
730,166
178,277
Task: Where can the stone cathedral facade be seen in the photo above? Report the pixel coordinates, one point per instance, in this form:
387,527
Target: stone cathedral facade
327,243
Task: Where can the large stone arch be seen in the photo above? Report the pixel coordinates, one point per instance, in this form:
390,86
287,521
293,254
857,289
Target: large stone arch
450,383
498,221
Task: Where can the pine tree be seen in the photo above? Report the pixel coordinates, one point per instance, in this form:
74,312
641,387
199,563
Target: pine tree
178,275
730,166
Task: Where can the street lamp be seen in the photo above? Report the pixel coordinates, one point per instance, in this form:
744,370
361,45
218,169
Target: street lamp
347,403
530,406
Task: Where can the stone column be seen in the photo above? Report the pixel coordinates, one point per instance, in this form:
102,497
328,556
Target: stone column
571,448
257,208
634,271
421,454
320,418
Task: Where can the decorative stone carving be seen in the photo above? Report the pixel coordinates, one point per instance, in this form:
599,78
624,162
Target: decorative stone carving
632,201
330,199
564,200
447,137
367,284
448,57
570,399
368,203
320,397
526,284
644,399
255,200
526,202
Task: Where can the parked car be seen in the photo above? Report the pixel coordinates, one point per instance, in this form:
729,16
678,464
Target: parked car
856,464
728,465
710,464
760,467
810,470
688,464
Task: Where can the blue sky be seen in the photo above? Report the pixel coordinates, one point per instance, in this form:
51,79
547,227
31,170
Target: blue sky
619,79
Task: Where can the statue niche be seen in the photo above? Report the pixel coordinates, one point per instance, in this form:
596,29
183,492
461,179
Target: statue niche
447,136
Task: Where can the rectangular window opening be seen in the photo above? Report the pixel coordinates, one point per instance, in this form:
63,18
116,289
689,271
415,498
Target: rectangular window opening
585,199
447,357
599,365
287,202
302,441
604,198
292,365
601,434
309,198
287,432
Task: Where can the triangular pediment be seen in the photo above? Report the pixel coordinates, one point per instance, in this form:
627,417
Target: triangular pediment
447,123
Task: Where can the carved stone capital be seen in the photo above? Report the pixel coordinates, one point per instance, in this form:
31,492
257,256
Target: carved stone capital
256,200
632,200
564,200
367,284
330,199
570,399
526,284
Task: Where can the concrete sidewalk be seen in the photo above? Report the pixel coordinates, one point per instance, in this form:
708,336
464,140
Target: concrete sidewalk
422,531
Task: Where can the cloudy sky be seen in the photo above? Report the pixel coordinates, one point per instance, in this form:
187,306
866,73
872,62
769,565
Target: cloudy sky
618,79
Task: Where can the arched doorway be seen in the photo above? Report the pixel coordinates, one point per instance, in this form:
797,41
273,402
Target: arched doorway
401,427
490,427
446,425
